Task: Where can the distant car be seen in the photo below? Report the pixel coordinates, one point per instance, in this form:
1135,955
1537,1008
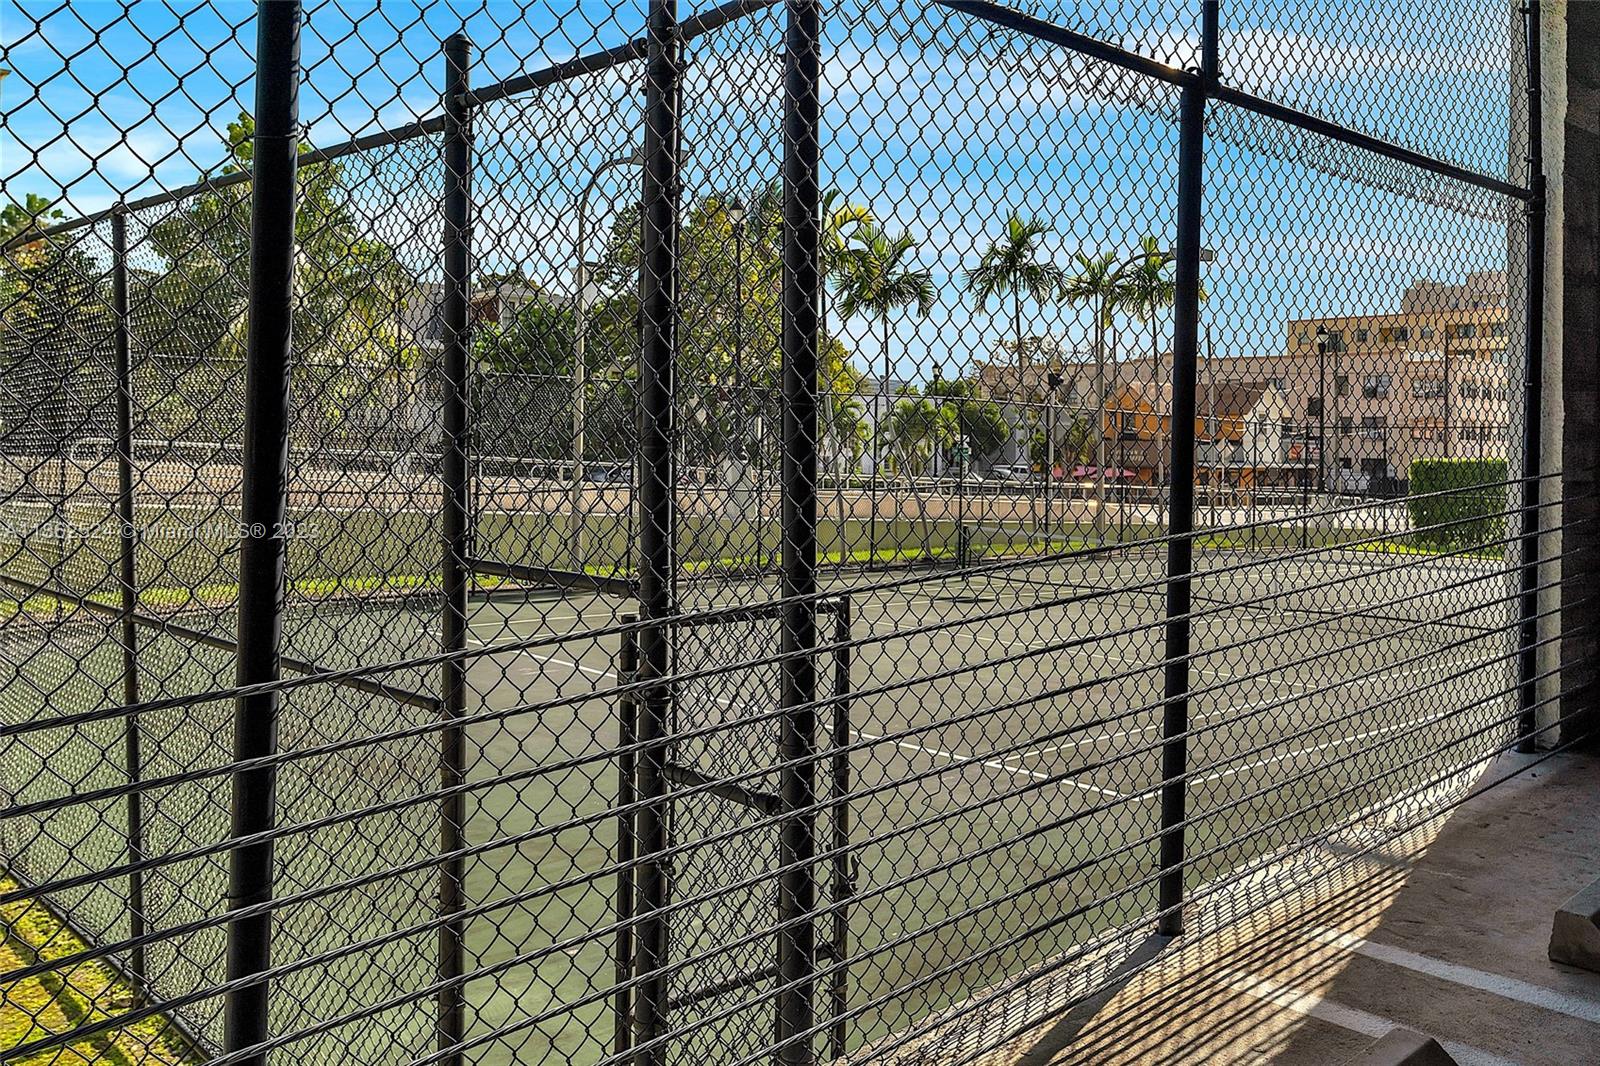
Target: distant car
1013,472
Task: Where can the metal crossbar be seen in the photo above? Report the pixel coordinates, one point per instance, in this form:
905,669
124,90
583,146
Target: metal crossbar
776,533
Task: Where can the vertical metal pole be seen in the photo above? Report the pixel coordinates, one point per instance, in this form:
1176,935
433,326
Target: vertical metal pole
1050,458
1532,397
801,332
627,734
658,302
843,883
127,580
1322,417
965,452
1180,513
455,573
264,506
1445,419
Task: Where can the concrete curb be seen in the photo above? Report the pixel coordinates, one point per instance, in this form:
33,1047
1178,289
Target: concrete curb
1404,1047
1575,933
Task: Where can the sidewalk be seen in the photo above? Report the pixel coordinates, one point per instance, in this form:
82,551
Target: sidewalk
1443,931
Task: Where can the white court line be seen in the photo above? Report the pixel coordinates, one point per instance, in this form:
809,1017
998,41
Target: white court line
995,764
1314,1005
556,660
949,756
1197,669
1237,708
1352,738
1549,999
1013,645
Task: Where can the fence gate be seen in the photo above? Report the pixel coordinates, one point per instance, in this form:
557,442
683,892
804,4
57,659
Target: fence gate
723,812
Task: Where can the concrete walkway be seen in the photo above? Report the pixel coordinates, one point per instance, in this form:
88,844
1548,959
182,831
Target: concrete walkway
1442,928
1443,931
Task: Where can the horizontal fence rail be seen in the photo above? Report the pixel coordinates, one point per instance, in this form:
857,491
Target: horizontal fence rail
774,533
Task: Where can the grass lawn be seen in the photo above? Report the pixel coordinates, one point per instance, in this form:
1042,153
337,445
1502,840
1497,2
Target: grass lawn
61,1000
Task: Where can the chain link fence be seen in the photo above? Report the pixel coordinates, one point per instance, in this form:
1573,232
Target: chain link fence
622,534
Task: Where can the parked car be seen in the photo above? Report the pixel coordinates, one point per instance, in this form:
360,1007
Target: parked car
1013,472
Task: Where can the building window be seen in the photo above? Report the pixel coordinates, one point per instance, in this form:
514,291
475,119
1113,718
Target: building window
1275,383
1497,329
1314,407
1376,386
1361,336
1372,426
1341,384
1466,331
1427,388
1427,332
1345,425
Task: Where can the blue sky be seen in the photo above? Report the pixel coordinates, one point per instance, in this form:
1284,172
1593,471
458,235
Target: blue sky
940,128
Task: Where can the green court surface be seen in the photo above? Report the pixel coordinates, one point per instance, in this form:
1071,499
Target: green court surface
1005,759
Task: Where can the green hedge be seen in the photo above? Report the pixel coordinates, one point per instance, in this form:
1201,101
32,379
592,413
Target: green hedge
1458,501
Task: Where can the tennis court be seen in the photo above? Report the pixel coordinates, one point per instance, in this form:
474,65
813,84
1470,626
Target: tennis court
1032,784
1003,744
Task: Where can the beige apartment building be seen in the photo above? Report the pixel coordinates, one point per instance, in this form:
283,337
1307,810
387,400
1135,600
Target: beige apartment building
1351,400
1365,395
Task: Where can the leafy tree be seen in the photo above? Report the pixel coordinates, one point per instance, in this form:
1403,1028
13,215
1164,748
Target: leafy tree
33,214
875,279
1148,288
1011,267
539,339
730,325
55,330
916,429
843,414
349,288
1074,442
978,419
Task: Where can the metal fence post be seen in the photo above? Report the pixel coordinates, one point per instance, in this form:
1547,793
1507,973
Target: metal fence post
627,852
843,881
801,328
457,256
263,508
1180,506
127,576
658,299
1532,399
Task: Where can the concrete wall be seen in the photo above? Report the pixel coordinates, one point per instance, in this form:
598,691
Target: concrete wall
1572,369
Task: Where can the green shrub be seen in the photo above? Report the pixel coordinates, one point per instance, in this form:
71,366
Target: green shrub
1458,501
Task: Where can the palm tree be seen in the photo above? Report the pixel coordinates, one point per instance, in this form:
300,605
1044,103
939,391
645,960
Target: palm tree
917,429
840,219
1148,289
1011,267
1097,282
876,278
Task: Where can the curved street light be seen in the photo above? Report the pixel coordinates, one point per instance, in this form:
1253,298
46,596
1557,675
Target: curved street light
580,367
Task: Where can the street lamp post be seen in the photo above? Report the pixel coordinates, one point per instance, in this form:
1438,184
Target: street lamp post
580,366
1322,410
1445,418
1053,381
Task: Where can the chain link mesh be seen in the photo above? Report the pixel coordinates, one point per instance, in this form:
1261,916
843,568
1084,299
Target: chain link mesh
606,855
